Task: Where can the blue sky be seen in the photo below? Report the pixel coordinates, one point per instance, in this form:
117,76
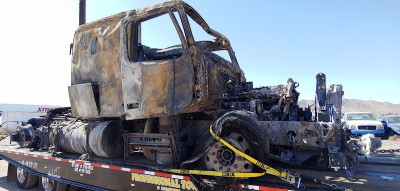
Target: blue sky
355,43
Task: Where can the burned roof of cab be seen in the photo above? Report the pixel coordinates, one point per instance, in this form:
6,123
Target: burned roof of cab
146,12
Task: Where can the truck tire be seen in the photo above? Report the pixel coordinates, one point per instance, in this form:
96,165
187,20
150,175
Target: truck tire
244,132
25,180
47,184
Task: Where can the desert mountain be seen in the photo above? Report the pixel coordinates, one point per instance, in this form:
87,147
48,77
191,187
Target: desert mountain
375,107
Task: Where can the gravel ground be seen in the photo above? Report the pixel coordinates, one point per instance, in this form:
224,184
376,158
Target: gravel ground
390,144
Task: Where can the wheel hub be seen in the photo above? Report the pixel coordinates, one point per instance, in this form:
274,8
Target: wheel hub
221,158
227,155
21,175
47,184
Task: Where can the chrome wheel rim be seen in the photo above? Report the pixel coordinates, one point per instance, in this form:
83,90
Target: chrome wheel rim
47,184
21,175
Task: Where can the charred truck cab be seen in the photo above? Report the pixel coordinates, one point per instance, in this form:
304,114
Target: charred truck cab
131,101
132,79
114,75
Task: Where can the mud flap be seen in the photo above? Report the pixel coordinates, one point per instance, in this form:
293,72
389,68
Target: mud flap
11,173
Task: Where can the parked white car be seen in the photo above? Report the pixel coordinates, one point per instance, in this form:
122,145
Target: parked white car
361,123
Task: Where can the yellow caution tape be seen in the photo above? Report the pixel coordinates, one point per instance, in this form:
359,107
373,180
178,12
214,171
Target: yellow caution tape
217,173
268,170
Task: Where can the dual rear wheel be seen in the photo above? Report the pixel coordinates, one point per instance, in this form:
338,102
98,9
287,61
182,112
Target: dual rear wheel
26,180
47,184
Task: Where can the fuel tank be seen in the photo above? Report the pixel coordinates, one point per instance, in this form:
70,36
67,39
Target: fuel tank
101,138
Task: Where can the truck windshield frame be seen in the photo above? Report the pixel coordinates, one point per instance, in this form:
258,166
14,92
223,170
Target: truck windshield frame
222,43
137,51
133,33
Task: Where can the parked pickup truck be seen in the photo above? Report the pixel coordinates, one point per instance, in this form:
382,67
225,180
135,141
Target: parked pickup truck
361,123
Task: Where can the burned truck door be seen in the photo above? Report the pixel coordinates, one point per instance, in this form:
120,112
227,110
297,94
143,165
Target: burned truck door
157,81
96,88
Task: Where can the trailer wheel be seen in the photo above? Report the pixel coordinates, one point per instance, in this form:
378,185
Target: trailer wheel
47,184
25,180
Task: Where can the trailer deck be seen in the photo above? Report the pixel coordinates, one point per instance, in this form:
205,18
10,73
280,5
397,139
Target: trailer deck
379,172
96,174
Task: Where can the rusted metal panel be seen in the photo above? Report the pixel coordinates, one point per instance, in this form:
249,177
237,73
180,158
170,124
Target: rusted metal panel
160,94
157,88
83,102
305,134
102,67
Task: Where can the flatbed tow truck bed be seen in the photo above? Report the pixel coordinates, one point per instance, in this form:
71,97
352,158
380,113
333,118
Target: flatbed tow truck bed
100,175
380,172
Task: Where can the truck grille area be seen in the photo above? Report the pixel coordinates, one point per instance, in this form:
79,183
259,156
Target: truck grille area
367,127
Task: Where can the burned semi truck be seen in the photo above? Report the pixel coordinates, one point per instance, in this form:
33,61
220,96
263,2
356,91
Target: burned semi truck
130,101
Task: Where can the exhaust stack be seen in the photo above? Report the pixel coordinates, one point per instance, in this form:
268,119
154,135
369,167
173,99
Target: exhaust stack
82,12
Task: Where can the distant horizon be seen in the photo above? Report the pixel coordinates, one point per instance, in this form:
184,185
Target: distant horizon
299,100
360,100
356,105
